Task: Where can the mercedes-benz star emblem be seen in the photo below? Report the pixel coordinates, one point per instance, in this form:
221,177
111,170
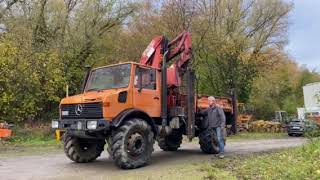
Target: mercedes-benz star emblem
79,109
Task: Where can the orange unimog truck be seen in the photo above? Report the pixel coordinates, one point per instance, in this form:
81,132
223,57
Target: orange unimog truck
131,105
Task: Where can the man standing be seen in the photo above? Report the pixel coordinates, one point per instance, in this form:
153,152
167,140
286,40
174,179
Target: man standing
216,122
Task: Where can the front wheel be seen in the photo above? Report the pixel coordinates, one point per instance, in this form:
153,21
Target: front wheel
132,144
82,150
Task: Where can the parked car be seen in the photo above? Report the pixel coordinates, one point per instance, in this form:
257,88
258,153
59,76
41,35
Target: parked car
298,127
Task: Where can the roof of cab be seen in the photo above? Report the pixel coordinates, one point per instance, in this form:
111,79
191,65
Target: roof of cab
128,62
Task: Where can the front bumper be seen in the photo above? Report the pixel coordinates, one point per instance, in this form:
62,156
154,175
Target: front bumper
73,124
78,127
292,130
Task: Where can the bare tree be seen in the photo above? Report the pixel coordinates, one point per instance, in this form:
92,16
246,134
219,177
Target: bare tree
99,17
40,32
5,5
177,15
236,33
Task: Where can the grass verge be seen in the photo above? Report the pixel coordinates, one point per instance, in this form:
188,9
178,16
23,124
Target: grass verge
256,136
296,163
29,141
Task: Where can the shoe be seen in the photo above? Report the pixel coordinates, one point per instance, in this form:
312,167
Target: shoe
221,156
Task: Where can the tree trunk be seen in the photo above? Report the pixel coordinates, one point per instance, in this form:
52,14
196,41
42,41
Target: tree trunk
235,111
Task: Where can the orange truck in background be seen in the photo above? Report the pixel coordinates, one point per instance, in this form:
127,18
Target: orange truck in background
131,105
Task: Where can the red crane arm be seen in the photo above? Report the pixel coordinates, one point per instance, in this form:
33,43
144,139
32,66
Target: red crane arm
152,55
181,45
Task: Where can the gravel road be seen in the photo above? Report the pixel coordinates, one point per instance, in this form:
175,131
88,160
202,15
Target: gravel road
57,166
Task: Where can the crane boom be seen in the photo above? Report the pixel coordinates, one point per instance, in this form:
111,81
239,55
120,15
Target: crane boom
181,45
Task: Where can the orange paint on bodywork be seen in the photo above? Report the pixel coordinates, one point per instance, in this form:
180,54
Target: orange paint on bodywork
223,102
146,100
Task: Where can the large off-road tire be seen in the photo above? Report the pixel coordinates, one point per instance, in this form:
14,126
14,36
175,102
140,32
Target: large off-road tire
171,142
208,141
132,144
82,150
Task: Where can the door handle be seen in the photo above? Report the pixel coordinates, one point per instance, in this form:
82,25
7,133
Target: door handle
157,98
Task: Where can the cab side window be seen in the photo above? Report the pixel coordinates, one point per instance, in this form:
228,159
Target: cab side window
146,78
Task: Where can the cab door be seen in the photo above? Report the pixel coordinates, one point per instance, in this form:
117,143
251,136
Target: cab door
146,93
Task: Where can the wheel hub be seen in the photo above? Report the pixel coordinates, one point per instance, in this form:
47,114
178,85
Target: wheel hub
135,144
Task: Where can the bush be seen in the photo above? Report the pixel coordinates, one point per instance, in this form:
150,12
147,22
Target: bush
312,133
30,83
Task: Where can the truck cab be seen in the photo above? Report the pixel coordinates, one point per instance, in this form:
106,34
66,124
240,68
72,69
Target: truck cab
110,91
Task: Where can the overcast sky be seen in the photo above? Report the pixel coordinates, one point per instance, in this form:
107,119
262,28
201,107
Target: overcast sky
304,33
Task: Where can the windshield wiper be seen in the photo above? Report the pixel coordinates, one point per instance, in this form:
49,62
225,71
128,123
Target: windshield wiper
93,89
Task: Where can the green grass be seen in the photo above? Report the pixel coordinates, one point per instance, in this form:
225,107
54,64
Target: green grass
42,135
296,163
256,136
25,141
29,146
29,141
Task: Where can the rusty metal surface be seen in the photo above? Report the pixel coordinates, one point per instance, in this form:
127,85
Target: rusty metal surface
224,102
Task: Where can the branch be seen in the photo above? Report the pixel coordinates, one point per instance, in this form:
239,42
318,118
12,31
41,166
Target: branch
8,7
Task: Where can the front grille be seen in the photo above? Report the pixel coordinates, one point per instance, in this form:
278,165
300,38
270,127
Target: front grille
85,111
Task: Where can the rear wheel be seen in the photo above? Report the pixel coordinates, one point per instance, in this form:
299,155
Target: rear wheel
208,141
132,144
171,142
82,150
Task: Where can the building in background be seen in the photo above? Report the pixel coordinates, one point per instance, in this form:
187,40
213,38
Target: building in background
311,109
311,95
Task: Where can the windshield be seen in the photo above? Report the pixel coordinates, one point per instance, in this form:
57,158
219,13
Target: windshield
109,78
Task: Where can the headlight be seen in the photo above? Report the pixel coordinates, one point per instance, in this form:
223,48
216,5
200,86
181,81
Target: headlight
55,124
92,124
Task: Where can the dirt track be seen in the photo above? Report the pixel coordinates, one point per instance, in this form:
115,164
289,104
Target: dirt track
57,166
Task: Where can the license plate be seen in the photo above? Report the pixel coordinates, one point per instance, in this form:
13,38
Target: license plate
296,127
